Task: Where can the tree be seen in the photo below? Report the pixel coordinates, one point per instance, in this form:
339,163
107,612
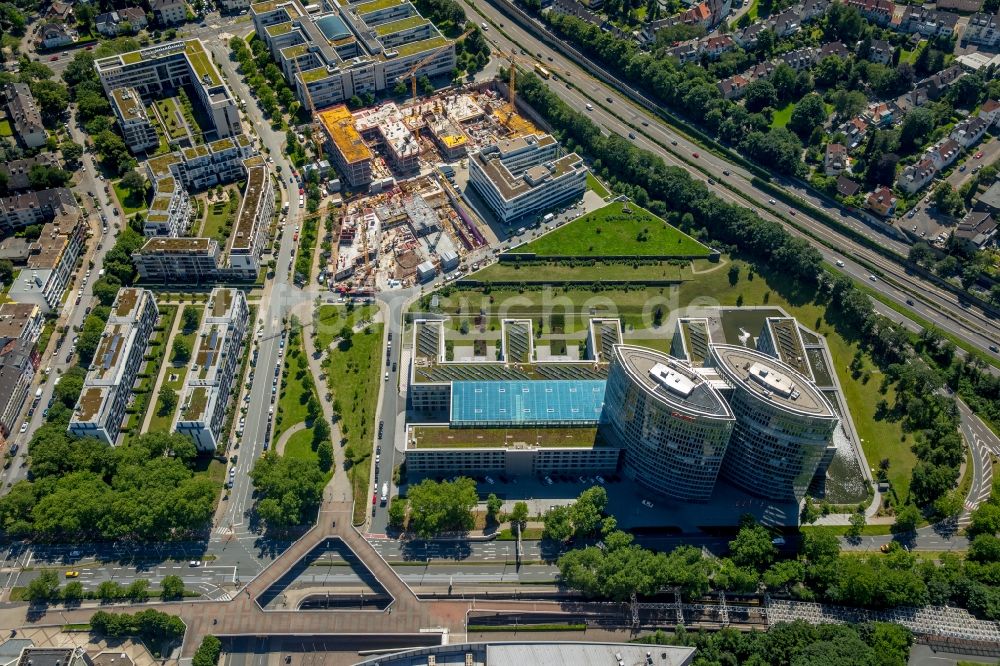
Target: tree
44,588
907,518
493,506
519,515
52,98
73,592
324,453
289,489
6,271
917,125
558,525
171,587
71,152
946,199
760,94
858,522
397,513
208,652
138,591
752,546
809,114
133,181
819,547
167,399
444,506
191,318
181,351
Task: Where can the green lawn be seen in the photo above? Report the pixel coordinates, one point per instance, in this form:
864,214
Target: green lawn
293,393
331,318
158,423
299,445
168,109
596,185
215,221
883,438
131,202
613,231
353,374
5,128
782,116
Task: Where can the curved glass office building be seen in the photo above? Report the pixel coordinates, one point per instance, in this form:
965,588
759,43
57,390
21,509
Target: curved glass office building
783,423
672,423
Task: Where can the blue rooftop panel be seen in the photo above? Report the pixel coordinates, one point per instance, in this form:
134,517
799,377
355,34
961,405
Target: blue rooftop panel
475,403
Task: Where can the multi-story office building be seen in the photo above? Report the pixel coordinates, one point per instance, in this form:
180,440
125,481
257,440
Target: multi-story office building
522,177
784,424
170,210
672,424
350,49
164,68
214,364
51,262
108,386
138,130
350,154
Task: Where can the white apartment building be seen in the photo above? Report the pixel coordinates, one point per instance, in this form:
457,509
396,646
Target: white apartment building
983,29
51,262
522,177
108,386
164,260
139,133
213,367
250,234
203,166
164,68
170,210
169,12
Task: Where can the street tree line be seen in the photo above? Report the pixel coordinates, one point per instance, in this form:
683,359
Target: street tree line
45,589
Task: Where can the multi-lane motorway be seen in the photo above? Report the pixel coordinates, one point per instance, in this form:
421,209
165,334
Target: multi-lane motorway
578,89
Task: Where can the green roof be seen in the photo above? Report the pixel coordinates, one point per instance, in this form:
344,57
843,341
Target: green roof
196,404
422,45
131,57
313,75
294,51
400,25
279,28
200,61
376,5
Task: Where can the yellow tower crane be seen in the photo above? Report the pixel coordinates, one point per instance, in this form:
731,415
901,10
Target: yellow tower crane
412,74
512,74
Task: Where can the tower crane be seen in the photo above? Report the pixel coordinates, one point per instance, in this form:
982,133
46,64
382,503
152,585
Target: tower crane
412,74
512,74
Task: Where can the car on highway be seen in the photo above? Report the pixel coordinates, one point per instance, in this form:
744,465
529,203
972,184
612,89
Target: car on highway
610,101
631,135
645,123
771,201
72,574
695,155
873,278
995,349
840,263
909,301
194,563
725,172
673,142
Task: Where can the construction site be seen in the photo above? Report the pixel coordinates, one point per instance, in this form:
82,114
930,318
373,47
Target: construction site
404,217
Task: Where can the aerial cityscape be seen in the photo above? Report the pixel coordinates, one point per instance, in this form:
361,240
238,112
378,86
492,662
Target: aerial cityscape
419,332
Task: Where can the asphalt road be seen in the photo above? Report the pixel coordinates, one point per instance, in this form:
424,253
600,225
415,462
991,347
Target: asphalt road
578,89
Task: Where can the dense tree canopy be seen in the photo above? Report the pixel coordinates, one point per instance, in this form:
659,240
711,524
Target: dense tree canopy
444,506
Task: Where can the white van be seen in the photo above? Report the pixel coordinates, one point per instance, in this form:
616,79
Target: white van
590,107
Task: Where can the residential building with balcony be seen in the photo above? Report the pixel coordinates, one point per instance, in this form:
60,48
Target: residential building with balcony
214,363
51,262
916,176
138,130
24,116
107,388
983,30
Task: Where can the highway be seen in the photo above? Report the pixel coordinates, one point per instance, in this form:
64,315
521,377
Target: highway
578,89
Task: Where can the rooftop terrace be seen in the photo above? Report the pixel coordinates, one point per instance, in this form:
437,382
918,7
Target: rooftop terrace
90,403
242,237
178,245
195,407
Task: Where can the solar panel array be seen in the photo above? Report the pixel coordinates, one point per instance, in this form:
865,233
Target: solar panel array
526,402
428,341
518,341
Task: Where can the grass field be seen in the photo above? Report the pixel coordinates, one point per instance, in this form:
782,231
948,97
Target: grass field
293,394
596,185
132,202
5,128
299,445
782,116
214,226
353,375
883,438
169,111
158,423
612,231
330,319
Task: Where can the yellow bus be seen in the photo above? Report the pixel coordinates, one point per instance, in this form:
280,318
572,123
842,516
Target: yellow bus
541,71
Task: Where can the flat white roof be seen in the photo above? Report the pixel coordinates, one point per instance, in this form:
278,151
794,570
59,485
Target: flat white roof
671,380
